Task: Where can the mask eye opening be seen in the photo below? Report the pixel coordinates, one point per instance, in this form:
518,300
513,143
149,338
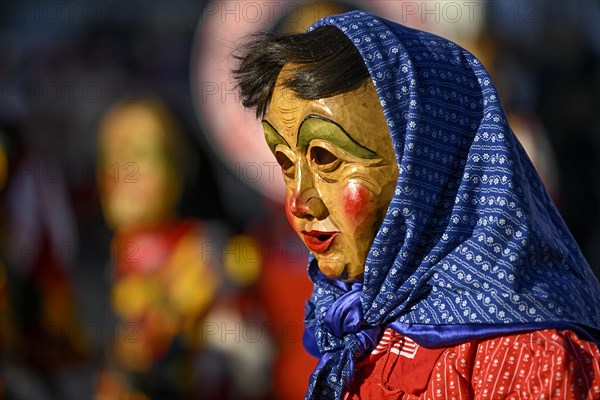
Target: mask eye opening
321,156
283,161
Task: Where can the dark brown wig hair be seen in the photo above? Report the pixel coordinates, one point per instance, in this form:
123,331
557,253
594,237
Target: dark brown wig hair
326,63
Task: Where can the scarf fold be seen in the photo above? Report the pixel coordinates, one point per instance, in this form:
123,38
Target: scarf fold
471,245
335,332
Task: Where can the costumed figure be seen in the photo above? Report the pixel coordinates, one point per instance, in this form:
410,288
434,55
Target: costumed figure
41,349
162,282
441,267
177,284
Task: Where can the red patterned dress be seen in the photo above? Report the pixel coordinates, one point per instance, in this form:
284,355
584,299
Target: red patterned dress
544,364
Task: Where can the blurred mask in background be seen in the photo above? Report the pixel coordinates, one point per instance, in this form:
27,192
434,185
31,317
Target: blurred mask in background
139,161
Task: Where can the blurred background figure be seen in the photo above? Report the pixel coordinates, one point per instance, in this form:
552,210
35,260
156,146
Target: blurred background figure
43,352
162,283
168,283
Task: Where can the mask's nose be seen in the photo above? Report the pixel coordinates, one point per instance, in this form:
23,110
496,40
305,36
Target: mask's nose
305,201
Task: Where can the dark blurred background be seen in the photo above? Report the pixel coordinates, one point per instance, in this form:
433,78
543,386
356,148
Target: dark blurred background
63,64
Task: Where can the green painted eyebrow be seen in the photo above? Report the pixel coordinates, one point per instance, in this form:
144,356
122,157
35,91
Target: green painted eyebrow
317,127
272,137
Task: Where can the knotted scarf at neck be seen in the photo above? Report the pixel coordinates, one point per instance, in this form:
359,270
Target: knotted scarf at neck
335,332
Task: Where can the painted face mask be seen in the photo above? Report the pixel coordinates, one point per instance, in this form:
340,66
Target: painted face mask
340,170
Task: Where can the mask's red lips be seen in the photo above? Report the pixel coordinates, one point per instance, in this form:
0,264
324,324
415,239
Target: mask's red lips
318,241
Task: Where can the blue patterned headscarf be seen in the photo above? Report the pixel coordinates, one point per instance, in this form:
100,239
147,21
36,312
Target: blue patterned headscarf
471,246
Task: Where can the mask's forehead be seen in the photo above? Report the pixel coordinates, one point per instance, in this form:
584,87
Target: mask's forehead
358,112
287,111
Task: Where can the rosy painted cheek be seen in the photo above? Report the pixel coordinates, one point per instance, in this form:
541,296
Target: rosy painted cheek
357,203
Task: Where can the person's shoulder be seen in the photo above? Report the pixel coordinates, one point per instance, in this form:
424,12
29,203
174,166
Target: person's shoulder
546,340
549,361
